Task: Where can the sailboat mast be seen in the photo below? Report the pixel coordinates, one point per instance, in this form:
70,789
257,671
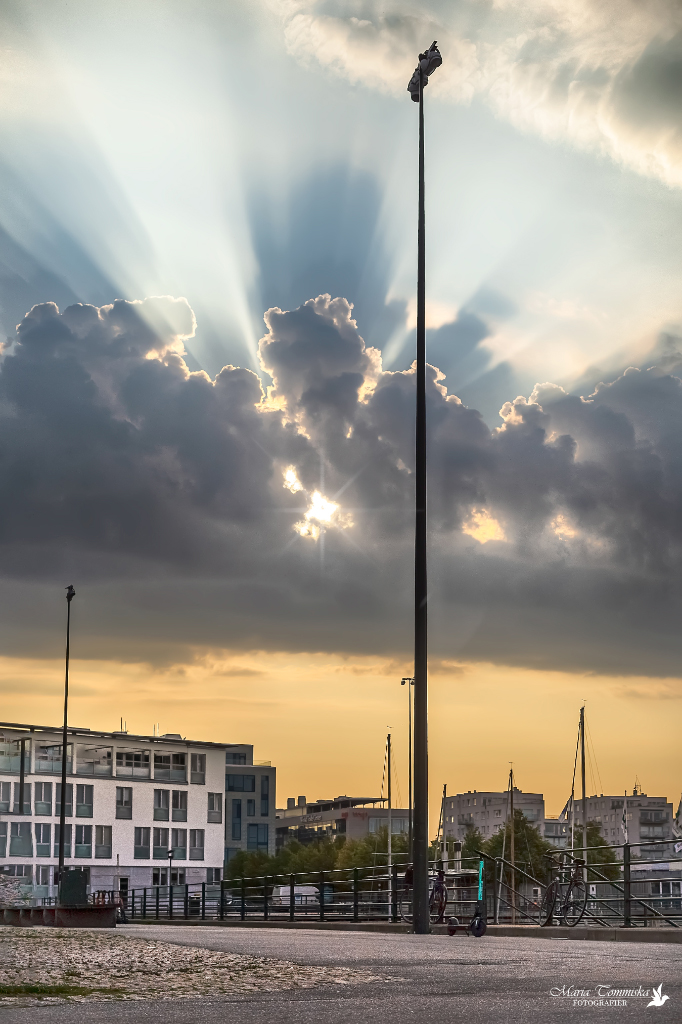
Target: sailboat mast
511,845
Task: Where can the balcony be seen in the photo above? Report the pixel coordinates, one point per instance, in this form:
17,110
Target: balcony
165,774
52,765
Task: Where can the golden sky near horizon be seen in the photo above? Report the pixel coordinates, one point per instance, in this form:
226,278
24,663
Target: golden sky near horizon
322,720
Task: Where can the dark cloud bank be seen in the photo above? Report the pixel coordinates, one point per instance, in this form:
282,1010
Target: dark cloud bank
159,493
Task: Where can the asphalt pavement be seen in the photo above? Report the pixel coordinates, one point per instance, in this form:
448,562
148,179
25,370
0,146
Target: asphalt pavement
430,979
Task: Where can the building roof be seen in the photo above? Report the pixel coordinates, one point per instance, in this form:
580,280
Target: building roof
121,736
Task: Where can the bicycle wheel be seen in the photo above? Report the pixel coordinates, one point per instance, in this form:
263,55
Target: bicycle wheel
438,901
406,906
549,899
574,906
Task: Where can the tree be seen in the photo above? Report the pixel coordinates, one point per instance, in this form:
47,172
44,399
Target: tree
529,846
602,856
372,850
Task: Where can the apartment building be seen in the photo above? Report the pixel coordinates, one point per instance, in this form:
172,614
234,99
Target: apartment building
131,802
488,812
648,817
352,817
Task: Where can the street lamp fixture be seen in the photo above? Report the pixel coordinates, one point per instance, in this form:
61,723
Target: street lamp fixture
428,62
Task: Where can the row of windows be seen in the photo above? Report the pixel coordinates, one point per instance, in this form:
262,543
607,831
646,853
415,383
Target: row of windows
150,843
256,839
99,760
169,805
250,813
44,874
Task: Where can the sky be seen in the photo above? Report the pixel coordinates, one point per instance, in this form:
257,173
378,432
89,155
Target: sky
207,301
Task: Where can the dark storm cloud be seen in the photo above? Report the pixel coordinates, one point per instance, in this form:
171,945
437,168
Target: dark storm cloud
160,493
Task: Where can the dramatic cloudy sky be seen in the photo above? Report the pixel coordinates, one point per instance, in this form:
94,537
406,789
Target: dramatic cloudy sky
207,228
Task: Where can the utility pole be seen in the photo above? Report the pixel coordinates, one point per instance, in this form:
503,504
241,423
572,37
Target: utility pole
390,829
70,594
582,769
511,846
428,62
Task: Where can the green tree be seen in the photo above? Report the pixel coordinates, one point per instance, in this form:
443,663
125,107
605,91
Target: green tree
372,850
602,856
529,846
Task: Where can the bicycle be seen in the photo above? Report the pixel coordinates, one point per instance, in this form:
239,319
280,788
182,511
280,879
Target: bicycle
438,898
571,904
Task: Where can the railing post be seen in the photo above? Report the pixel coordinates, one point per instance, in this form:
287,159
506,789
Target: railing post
321,895
265,898
394,893
627,889
157,902
132,904
292,897
356,895
242,912
170,900
221,909
496,906
203,901
144,902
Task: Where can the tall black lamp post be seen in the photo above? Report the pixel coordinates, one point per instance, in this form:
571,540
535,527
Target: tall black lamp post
70,594
428,62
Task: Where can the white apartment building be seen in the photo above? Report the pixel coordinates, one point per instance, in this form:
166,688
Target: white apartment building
488,812
131,801
648,817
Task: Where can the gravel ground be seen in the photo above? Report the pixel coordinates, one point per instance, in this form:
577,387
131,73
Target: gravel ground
46,965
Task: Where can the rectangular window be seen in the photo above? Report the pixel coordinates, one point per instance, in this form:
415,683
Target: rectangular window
170,767
160,844
43,876
198,769
10,755
179,843
69,799
213,876
241,783
250,808
94,760
3,839
20,842
179,805
84,840
43,798
49,757
215,807
84,796
103,841
132,764
159,876
43,840
235,758
161,801
67,841
196,844
27,797
141,851
124,802
264,795
236,819
5,791
257,837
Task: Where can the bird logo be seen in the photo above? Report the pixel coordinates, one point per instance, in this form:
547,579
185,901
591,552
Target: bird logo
658,999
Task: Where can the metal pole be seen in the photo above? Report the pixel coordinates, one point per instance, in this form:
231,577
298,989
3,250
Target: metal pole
582,768
390,826
627,888
410,854
70,594
511,846
421,765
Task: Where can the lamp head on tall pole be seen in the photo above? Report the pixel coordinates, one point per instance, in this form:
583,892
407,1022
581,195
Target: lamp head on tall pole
70,593
428,62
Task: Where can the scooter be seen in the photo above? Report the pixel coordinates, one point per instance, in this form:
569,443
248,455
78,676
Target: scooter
477,926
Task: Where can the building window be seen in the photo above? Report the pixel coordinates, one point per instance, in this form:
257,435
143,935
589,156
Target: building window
27,798
241,783
67,841
43,798
43,877
20,842
179,805
161,801
213,876
124,802
103,841
250,808
10,755
94,760
84,801
132,764
170,767
179,843
160,844
84,841
198,769
235,758
5,791
264,795
3,839
141,851
236,819
196,844
43,840
68,801
257,837
49,757
215,807
160,876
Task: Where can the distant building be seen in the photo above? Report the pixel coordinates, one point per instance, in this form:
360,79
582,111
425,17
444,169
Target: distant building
353,817
555,831
489,811
648,817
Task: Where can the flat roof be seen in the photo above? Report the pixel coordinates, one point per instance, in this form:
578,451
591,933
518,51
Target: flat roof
122,736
